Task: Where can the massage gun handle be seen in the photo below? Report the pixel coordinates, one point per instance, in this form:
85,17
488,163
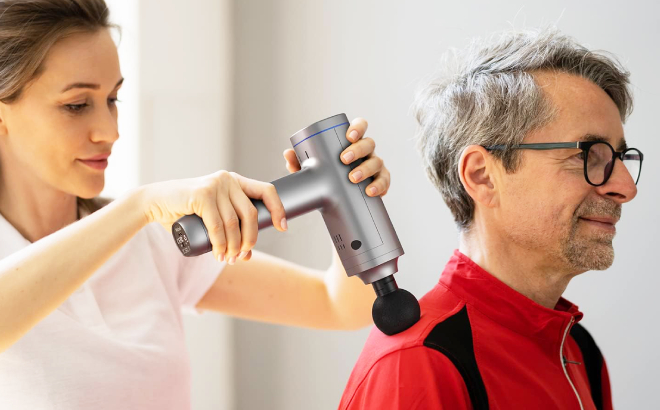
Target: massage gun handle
191,235
298,193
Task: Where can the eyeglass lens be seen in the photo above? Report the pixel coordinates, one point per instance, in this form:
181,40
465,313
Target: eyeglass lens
600,162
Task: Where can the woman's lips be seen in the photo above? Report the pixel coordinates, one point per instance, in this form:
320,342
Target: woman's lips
99,164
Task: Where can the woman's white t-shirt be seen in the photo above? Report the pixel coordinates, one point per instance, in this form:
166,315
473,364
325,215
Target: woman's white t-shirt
118,341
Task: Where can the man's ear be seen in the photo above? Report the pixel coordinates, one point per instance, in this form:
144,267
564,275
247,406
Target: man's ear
477,173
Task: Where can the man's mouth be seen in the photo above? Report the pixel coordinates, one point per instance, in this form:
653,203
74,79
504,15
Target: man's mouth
604,223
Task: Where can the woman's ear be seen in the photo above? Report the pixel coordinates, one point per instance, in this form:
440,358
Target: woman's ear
3,124
477,173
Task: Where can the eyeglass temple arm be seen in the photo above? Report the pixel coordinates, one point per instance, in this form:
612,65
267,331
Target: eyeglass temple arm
543,146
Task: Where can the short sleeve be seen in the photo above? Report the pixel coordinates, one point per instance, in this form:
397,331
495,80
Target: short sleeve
191,277
415,378
195,278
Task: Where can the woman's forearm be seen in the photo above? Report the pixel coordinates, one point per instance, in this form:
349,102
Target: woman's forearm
351,298
271,289
37,279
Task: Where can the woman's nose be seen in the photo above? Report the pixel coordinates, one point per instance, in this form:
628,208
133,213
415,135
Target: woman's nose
105,126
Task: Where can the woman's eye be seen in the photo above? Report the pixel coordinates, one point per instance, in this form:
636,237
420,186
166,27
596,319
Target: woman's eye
76,107
113,100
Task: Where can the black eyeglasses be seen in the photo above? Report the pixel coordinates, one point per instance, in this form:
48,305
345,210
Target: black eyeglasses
598,156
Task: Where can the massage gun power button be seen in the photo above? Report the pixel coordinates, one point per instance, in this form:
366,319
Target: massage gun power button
356,244
181,239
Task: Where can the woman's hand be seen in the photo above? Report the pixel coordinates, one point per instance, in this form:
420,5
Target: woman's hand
350,301
360,148
221,200
304,297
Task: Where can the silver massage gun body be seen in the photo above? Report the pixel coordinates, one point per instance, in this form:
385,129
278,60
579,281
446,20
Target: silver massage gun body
359,225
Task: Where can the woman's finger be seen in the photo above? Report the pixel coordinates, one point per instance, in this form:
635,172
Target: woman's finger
292,163
231,222
369,167
248,256
210,213
215,228
357,129
360,149
248,215
267,193
380,184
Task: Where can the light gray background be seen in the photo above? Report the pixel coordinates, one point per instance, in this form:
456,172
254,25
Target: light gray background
283,65
297,62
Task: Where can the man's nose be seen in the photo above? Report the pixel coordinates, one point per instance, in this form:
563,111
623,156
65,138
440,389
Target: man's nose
621,186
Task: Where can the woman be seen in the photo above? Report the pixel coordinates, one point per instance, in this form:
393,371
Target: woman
90,309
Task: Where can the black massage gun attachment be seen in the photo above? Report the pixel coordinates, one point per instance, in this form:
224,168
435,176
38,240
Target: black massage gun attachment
394,310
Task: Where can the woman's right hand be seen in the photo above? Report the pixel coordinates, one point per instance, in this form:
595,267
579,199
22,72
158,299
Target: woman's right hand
221,199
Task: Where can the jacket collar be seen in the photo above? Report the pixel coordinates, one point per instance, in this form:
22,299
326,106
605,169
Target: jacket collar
500,303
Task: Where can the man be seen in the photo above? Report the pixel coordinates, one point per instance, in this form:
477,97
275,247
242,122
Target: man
525,142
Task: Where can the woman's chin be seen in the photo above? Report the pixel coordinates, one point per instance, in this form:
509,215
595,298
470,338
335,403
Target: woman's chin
91,191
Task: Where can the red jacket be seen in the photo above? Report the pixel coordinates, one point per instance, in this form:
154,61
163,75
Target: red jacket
515,350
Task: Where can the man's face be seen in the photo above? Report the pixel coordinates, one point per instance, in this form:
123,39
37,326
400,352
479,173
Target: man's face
547,205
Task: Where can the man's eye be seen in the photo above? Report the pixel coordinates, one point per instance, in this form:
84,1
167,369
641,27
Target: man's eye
76,107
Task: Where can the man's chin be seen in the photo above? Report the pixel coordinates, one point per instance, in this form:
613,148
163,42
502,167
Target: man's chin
594,256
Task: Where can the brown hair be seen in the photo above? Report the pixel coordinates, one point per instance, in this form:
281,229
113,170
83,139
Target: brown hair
28,30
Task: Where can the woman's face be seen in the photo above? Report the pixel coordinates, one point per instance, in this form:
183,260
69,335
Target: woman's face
66,115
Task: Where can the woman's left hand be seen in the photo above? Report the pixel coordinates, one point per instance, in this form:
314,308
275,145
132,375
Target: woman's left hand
360,148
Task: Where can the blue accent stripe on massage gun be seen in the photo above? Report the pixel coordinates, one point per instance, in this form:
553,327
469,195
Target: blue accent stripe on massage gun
344,123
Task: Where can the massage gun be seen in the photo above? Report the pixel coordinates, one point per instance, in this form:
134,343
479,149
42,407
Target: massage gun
359,225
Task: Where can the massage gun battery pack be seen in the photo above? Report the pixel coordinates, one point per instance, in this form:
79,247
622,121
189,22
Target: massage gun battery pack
358,224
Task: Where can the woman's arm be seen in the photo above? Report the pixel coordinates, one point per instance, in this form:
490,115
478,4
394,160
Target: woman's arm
37,279
270,289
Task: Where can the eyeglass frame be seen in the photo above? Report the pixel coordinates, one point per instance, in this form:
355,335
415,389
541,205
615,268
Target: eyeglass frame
584,146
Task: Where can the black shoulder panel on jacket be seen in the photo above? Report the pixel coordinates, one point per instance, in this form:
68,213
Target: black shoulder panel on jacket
453,338
593,362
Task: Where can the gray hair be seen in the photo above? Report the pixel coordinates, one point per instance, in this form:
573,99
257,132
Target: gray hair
489,97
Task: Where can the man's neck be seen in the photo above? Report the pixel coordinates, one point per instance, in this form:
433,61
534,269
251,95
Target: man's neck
33,208
519,269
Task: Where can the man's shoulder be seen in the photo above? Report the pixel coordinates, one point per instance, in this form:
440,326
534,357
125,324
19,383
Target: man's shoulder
405,359
437,305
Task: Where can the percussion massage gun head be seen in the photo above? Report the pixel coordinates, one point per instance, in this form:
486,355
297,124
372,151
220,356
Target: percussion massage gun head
394,310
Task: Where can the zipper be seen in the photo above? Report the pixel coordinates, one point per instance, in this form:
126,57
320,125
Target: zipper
571,362
563,363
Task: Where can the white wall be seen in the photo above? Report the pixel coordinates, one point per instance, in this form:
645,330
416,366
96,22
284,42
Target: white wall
185,130
123,173
301,61
214,84
175,122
